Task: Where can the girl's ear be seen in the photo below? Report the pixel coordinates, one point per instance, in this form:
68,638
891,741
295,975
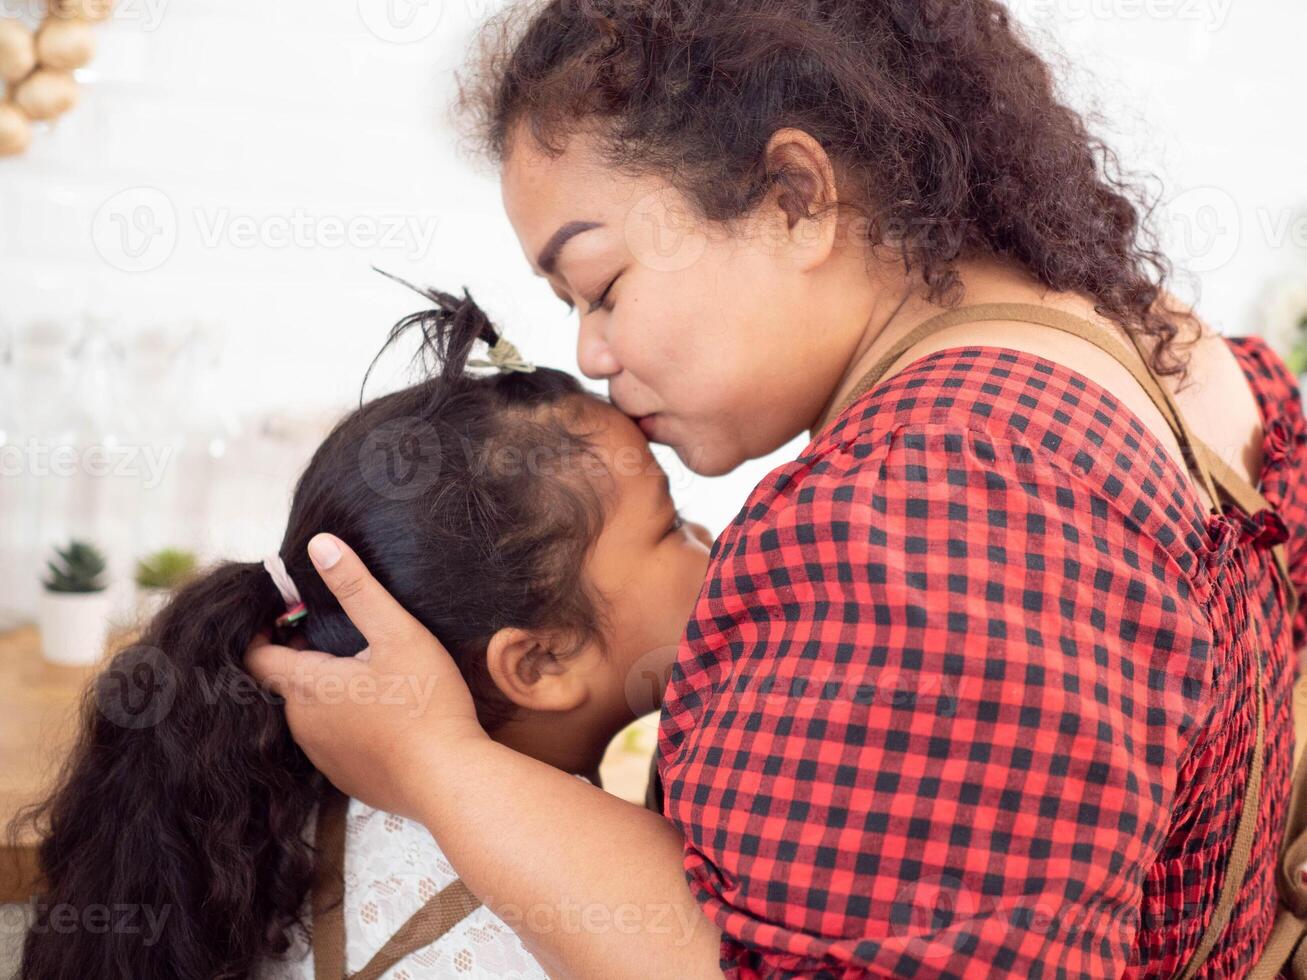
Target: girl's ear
529,673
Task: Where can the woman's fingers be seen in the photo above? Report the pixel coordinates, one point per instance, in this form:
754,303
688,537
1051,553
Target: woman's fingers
279,668
372,609
369,722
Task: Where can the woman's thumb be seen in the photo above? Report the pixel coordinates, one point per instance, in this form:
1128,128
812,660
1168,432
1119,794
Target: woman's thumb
281,669
374,612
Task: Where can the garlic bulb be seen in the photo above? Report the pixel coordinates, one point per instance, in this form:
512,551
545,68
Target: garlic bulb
15,130
80,9
46,93
65,44
17,51
37,69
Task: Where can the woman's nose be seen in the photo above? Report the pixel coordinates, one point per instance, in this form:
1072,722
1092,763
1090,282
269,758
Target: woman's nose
593,355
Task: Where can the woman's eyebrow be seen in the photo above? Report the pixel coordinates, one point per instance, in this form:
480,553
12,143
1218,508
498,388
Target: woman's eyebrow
548,258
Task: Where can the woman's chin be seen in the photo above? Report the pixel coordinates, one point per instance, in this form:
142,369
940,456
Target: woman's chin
704,456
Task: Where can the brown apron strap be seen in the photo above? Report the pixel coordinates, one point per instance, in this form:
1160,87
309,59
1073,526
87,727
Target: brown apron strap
1291,920
329,887
1286,932
1236,865
444,910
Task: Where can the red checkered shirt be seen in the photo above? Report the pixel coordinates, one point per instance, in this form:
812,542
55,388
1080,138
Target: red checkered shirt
969,688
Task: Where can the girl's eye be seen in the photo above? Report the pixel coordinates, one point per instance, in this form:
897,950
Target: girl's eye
678,522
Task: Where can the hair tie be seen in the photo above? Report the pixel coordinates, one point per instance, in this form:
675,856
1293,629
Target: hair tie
295,608
505,357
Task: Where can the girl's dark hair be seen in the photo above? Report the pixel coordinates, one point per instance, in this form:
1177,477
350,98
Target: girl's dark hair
941,121
185,799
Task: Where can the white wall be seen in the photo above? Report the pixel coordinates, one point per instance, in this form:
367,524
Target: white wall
210,128
1208,95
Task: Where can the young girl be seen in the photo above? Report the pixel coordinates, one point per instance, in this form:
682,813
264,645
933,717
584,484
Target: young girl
514,514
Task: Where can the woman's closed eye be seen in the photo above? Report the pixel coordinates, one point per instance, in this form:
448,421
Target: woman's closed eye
603,297
591,305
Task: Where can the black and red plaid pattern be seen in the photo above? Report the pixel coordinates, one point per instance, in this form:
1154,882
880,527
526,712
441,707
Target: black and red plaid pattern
968,690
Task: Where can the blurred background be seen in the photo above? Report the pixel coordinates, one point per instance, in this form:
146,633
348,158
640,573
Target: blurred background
186,294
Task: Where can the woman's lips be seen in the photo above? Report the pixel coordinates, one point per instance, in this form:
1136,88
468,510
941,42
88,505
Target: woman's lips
646,424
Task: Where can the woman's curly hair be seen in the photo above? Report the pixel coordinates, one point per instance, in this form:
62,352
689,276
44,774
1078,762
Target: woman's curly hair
942,123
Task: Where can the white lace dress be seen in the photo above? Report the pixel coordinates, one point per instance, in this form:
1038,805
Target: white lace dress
392,866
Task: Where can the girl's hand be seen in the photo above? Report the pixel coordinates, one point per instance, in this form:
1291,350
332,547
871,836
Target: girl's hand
365,721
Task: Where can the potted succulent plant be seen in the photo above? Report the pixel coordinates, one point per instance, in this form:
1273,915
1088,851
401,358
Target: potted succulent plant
75,606
157,575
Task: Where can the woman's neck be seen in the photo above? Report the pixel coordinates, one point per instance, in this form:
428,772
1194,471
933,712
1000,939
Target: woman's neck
854,372
901,305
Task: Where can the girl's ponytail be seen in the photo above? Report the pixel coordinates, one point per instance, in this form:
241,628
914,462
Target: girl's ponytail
449,331
172,845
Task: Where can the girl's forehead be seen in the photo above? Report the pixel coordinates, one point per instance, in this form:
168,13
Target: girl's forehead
623,449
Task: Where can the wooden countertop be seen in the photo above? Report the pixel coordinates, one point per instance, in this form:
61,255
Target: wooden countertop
38,714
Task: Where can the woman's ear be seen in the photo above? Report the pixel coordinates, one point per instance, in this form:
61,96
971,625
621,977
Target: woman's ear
528,671
805,191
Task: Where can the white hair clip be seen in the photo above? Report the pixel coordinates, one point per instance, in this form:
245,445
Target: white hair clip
295,609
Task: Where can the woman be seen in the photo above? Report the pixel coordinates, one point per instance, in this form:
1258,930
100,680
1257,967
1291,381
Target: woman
975,685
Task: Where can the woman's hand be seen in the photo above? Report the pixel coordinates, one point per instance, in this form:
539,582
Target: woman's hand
395,727
365,721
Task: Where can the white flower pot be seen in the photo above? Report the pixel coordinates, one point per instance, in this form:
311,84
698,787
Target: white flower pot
74,626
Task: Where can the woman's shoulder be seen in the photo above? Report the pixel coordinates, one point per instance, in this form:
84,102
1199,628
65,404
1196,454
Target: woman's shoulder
1008,411
1212,372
